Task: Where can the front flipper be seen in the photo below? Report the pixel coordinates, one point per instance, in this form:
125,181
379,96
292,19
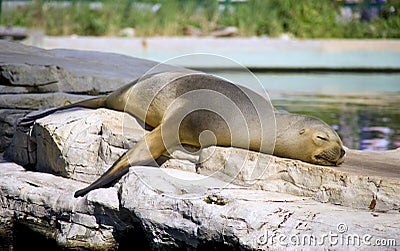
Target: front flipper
146,150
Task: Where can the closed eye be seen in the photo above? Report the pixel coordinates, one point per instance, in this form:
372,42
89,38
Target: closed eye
322,138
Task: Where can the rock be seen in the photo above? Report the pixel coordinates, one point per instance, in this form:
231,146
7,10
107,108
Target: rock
33,78
13,107
190,30
35,101
127,32
363,178
229,31
45,203
79,143
13,33
168,209
8,120
245,221
72,71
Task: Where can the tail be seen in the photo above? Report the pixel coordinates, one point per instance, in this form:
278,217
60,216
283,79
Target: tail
90,103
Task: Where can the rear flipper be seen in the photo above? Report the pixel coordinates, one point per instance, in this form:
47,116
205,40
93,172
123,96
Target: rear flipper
29,119
106,179
90,103
146,150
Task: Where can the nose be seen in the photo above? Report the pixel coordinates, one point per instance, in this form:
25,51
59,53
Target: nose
342,153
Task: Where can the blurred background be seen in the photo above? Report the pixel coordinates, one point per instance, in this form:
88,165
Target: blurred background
336,60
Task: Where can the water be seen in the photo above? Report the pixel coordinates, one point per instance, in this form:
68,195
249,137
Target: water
364,108
258,52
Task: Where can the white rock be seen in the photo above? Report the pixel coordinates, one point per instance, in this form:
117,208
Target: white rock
79,143
352,184
173,211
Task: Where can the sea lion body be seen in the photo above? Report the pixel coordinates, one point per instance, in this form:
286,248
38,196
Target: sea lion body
200,110
196,102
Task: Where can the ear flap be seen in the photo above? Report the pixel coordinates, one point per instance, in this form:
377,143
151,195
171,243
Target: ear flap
303,130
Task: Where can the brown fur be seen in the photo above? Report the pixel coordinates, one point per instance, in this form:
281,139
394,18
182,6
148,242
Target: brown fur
161,101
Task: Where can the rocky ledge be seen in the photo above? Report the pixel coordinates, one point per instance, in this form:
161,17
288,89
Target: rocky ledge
222,198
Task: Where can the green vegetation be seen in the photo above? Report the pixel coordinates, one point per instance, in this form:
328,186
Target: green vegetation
300,18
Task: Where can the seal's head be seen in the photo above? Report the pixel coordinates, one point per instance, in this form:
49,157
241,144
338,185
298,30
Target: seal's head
327,148
308,139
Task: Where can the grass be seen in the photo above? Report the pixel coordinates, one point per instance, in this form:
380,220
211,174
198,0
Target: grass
300,18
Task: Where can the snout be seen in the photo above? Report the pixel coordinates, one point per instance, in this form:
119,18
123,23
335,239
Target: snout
330,157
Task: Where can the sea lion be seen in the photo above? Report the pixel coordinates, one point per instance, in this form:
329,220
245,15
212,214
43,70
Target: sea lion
198,109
